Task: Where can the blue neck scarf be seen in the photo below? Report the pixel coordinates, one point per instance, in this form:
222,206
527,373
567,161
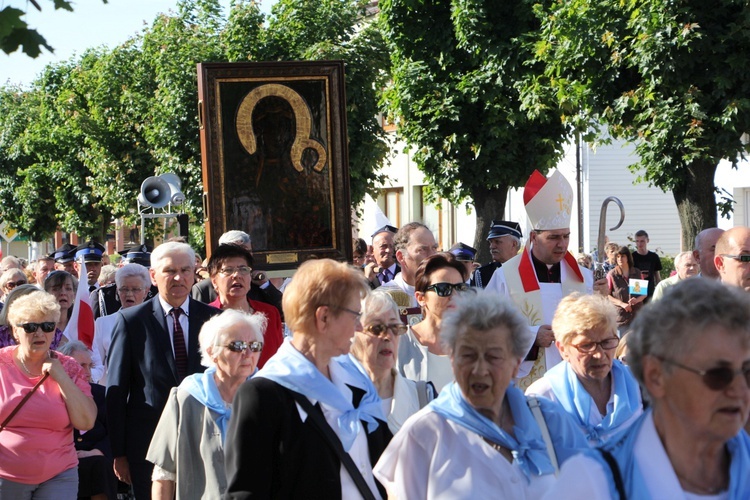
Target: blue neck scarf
290,369
622,449
528,447
573,397
202,387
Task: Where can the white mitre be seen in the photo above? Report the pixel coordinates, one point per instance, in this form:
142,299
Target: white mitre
548,202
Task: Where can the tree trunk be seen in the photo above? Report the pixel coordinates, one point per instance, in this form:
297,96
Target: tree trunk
696,201
489,204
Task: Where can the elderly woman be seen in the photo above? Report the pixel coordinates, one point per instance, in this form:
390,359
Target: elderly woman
6,330
133,283
480,435
310,414
599,392
618,280
376,348
11,279
96,477
187,449
230,268
422,355
63,286
37,456
691,353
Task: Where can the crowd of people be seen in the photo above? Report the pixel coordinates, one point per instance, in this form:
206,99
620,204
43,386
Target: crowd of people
407,373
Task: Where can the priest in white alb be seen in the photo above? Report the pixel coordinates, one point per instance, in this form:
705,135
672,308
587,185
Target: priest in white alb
539,277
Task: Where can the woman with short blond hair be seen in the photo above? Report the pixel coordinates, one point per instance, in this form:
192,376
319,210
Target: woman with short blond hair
596,389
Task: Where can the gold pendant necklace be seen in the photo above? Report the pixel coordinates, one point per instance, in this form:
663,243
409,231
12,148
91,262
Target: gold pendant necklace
23,365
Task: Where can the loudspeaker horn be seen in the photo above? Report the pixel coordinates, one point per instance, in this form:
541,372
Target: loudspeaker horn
176,195
155,192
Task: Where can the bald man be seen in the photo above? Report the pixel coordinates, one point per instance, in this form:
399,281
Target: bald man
732,258
704,251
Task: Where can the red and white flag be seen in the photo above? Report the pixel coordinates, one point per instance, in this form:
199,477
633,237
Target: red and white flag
81,324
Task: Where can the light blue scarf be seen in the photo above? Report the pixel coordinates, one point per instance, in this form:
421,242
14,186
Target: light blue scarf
573,397
622,447
528,447
202,387
290,369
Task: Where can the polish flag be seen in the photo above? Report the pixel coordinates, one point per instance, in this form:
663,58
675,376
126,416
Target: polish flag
81,324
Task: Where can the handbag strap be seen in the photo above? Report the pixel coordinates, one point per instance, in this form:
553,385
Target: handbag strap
619,485
536,410
23,401
320,422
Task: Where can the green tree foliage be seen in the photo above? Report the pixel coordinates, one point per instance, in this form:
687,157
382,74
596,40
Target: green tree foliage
15,33
456,69
76,146
669,76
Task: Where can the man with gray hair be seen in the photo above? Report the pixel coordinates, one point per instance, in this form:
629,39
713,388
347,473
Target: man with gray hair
154,347
414,242
261,290
686,266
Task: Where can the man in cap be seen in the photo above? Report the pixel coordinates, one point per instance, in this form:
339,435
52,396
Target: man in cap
539,277
91,252
705,251
466,255
385,267
104,300
505,242
64,258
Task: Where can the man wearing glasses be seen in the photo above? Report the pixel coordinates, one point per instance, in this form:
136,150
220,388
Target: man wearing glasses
732,257
539,277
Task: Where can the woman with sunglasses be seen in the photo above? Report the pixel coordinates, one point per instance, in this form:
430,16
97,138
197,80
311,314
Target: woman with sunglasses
230,269
187,449
6,330
598,391
310,424
11,279
691,352
37,455
376,347
422,355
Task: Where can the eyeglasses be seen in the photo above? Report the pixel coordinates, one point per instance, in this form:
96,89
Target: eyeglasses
243,270
716,379
446,289
134,291
379,329
605,344
47,326
741,258
357,314
12,284
242,346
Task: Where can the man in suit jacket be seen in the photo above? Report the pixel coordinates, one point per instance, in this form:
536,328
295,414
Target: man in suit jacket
154,346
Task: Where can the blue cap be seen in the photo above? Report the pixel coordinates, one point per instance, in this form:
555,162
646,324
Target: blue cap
91,251
504,228
463,252
137,255
65,253
385,229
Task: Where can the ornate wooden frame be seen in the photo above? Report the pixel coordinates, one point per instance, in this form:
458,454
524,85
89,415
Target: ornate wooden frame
275,160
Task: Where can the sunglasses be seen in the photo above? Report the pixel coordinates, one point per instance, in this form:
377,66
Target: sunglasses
741,258
446,289
242,346
47,327
605,344
379,329
716,379
12,284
